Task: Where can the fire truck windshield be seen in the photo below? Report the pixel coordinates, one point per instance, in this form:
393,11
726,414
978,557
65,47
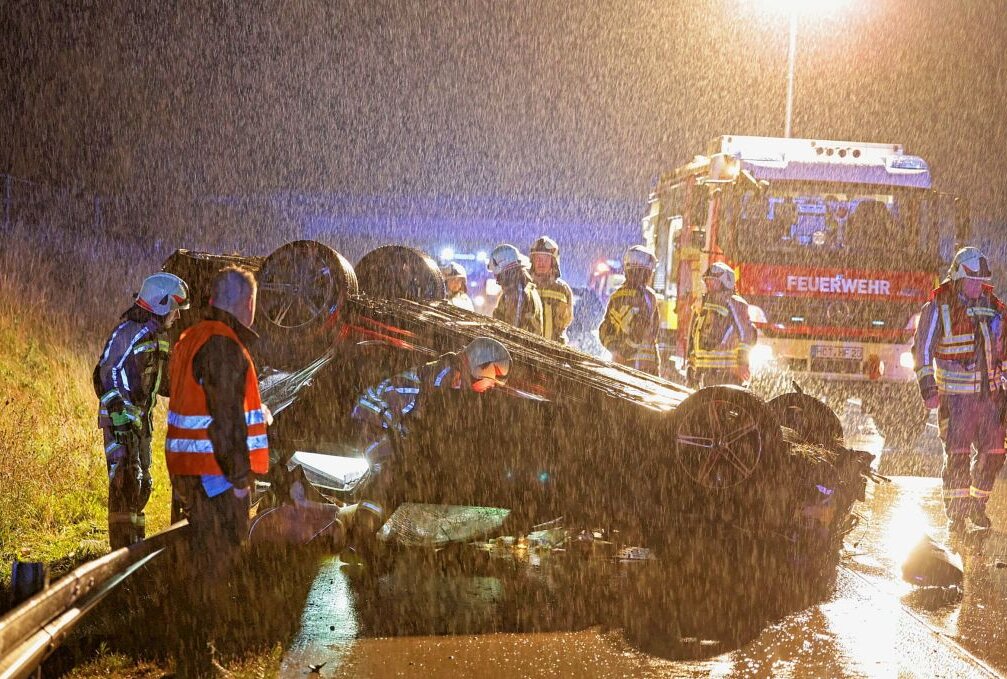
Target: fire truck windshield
795,221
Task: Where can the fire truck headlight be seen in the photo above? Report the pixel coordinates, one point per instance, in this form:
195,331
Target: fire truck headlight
756,314
760,357
906,360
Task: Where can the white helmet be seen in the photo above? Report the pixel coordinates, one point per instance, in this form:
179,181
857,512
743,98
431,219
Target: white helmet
488,361
504,258
453,270
545,245
723,273
162,293
639,257
969,262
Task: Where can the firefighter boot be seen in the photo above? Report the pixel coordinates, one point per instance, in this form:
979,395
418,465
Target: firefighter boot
957,480
978,516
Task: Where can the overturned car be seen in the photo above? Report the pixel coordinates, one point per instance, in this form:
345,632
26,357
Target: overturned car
725,509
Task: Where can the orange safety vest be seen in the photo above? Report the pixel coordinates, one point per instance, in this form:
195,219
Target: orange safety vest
188,448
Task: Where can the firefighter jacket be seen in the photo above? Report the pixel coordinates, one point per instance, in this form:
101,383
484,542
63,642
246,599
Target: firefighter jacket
631,324
520,303
131,371
721,334
216,422
959,343
557,306
393,402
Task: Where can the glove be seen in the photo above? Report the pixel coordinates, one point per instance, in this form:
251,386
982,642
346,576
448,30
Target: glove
126,435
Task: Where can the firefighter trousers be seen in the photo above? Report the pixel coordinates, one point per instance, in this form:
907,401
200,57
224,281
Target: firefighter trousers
129,488
973,437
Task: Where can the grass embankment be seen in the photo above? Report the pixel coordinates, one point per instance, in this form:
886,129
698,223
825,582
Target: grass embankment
59,295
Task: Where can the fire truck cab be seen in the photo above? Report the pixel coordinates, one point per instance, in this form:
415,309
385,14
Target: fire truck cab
836,246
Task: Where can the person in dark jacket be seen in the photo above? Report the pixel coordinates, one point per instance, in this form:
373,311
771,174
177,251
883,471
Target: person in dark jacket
520,303
216,440
629,330
215,445
128,377
385,410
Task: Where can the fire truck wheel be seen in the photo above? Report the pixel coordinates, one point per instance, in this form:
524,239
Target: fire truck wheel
302,286
724,437
813,421
400,272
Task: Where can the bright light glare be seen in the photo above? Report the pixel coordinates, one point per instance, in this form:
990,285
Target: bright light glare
906,360
481,256
447,254
760,357
343,469
479,300
800,7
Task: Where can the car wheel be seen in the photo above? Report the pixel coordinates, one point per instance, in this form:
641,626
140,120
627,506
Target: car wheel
400,272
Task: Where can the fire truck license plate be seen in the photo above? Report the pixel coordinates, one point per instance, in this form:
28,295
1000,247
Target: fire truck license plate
825,351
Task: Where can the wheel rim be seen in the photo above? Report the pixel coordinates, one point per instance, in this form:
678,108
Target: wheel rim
719,444
296,288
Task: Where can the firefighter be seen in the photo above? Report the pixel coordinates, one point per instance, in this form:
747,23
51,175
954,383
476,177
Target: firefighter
721,333
959,354
383,412
557,297
520,303
631,324
127,380
458,286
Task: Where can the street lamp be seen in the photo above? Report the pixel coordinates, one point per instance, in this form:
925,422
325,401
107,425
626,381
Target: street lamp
793,8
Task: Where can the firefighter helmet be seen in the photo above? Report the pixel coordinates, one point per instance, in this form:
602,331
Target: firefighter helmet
453,270
545,245
488,362
970,262
723,273
504,258
639,257
162,293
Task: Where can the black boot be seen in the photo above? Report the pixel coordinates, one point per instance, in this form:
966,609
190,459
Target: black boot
979,518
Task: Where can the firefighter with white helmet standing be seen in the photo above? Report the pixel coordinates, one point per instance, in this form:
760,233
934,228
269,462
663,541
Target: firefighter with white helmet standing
520,303
960,361
128,377
457,284
631,324
557,297
721,333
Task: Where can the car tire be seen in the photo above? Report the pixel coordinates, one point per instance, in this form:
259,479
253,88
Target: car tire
400,272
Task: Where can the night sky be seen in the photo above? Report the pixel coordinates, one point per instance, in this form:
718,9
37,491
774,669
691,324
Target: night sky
537,99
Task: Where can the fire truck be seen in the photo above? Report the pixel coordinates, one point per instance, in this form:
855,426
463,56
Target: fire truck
836,245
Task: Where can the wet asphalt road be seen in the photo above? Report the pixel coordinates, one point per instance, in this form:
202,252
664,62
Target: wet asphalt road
873,624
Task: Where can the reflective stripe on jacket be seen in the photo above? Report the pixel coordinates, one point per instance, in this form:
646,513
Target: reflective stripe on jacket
188,447
631,324
721,333
129,373
557,307
388,404
946,347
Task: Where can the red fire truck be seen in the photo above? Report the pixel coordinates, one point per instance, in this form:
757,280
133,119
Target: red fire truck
836,245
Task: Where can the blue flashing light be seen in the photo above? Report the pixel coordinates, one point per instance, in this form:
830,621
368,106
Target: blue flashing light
482,256
908,163
447,253
543,477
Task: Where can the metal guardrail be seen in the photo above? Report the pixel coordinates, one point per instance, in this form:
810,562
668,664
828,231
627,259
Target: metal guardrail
33,630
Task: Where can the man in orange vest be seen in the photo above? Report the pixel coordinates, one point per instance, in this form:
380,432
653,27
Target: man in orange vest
960,363
216,439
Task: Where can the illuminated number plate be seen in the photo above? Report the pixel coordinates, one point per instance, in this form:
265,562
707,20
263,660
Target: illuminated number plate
848,353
